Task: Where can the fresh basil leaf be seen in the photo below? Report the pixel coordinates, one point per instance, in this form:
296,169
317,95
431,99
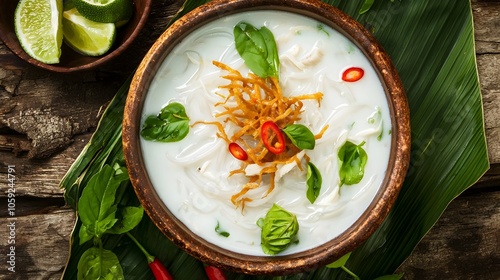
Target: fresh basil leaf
279,229
352,161
220,231
130,217
258,49
97,263
300,136
340,262
272,52
313,181
96,206
390,277
170,125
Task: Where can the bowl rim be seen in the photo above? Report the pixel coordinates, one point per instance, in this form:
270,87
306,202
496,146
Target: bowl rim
306,260
10,40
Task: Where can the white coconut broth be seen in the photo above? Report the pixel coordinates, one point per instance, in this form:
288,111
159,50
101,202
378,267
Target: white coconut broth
192,176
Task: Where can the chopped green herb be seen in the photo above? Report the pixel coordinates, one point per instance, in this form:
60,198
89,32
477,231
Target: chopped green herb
376,119
321,28
220,231
381,134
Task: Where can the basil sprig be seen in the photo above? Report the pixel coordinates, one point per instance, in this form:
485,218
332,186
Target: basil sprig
279,228
300,136
98,205
170,125
258,49
314,181
102,210
352,159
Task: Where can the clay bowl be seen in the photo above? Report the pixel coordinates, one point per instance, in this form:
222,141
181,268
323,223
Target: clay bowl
70,60
369,220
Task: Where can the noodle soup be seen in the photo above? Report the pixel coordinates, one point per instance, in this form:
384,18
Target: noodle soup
193,177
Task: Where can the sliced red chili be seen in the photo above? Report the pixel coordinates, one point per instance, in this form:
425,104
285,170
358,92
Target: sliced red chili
272,137
353,74
214,273
237,151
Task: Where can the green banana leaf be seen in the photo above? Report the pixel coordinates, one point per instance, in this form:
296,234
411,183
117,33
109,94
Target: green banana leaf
432,46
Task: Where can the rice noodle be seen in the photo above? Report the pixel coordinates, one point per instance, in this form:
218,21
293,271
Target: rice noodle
250,102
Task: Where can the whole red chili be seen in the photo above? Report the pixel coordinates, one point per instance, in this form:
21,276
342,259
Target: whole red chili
353,74
214,273
237,151
266,133
158,269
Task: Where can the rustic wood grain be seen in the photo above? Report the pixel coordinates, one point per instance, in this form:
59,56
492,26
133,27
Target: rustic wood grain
464,244
487,36
41,243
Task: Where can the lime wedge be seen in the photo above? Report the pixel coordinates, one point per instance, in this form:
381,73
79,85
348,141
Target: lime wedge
105,10
85,36
38,29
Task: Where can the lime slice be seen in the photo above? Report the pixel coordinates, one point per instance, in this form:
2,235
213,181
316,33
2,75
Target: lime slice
105,10
85,36
38,28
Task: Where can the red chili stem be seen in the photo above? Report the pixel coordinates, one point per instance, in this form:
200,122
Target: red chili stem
158,269
277,147
214,273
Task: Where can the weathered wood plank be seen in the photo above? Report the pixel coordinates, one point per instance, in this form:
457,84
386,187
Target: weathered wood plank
41,243
464,243
487,38
41,177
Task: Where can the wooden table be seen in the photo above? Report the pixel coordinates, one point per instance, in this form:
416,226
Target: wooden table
47,118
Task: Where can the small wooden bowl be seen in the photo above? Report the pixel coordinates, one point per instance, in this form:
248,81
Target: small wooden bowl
70,60
310,259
